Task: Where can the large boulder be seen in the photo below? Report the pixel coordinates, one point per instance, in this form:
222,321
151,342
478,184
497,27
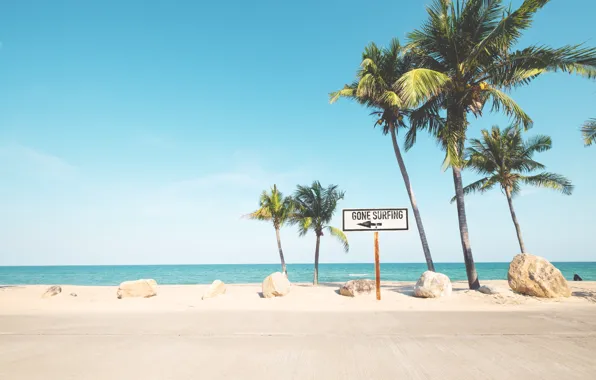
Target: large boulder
52,291
536,276
139,288
215,289
276,285
354,288
432,285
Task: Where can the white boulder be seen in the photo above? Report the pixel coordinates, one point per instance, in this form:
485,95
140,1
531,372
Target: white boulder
139,288
432,285
276,285
215,289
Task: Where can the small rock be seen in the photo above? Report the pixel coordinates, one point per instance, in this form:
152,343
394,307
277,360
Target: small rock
215,289
432,285
357,287
73,294
276,285
536,276
576,277
488,290
52,291
139,288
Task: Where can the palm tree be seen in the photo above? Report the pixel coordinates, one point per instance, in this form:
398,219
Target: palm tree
505,160
275,208
314,208
589,132
375,87
466,58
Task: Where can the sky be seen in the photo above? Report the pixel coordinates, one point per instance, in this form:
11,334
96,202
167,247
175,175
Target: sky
136,132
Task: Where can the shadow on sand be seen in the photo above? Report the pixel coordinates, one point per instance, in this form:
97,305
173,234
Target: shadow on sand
586,294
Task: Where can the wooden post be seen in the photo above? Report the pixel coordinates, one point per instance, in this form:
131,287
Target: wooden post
377,267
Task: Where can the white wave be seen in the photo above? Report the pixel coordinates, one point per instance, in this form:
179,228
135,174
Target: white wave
357,274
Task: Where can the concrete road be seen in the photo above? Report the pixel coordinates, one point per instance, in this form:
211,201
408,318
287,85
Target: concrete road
306,345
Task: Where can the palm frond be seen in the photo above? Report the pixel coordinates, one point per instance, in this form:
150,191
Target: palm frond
550,181
511,108
339,235
589,132
419,85
480,186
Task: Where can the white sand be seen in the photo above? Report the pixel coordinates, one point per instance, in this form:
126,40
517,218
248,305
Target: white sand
303,297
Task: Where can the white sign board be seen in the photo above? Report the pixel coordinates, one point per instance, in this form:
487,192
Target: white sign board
375,219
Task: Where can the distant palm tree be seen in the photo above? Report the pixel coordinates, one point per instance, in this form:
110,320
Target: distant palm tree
314,208
375,87
589,132
275,208
505,160
467,56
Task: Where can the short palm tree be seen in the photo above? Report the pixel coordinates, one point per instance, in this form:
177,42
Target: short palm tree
589,132
277,209
466,57
505,159
376,88
314,208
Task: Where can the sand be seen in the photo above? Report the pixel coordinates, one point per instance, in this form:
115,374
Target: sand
395,296
313,333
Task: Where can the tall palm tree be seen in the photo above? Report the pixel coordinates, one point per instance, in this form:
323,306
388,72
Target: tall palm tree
589,132
376,88
505,159
466,58
275,208
314,208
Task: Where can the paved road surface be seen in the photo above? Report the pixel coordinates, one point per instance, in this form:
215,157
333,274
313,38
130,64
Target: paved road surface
291,345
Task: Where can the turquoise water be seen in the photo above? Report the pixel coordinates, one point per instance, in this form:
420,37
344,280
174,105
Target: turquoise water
254,273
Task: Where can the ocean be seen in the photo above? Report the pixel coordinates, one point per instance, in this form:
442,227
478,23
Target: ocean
255,273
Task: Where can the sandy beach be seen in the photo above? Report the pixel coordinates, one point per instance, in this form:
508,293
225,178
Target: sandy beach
312,333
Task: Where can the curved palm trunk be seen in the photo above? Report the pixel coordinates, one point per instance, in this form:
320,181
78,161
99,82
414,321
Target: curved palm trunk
463,230
517,228
281,253
404,173
316,276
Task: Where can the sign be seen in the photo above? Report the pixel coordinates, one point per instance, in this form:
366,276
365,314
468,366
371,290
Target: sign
375,219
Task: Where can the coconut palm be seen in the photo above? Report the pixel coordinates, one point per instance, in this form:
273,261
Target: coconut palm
466,58
505,159
375,87
277,209
589,132
314,208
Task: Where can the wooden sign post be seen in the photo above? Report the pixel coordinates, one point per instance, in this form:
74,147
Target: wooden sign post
374,219
377,267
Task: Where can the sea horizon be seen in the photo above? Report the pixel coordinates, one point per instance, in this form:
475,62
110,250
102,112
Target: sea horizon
181,274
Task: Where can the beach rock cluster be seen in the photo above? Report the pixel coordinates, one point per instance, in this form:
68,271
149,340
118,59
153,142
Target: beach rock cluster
432,285
276,285
139,288
215,289
359,287
52,291
536,276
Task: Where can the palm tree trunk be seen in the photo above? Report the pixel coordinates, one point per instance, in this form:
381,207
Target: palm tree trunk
316,277
281,253
517,228
404,173
463,230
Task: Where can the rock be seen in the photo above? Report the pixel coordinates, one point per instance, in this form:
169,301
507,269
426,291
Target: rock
73,294
354,288
139,288
536,276
576,277
52,291
215,289
432,285
488,290
276,285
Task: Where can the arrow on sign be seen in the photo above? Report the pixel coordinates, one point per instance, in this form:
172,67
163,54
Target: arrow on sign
369,224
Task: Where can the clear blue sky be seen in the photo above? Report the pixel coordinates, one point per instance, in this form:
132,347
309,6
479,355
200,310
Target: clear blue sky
135,132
